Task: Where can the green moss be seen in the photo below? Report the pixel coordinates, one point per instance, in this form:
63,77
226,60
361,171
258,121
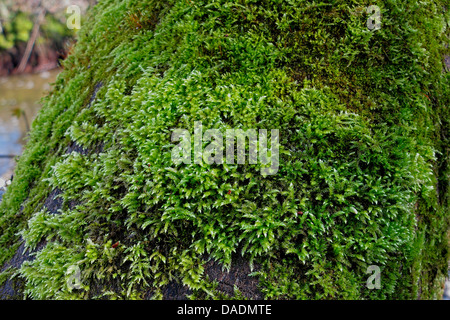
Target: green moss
363,177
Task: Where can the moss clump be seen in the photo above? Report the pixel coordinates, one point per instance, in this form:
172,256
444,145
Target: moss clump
363,175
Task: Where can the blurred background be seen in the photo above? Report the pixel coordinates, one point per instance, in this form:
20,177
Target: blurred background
34,37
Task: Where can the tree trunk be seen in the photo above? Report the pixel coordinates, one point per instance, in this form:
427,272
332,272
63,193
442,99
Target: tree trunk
32,40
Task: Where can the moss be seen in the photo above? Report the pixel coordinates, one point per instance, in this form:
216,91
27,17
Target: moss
362,181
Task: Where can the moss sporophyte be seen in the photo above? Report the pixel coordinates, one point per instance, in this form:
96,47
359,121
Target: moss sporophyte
213,152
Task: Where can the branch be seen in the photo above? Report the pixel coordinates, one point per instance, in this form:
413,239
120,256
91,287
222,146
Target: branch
32,40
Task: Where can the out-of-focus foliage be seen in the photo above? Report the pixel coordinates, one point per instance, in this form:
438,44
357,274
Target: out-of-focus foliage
18,16
363,178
